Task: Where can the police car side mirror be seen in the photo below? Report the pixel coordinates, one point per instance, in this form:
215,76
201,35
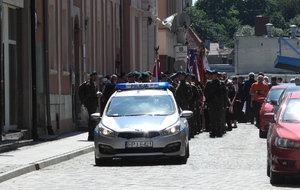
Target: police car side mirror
96,116
186,114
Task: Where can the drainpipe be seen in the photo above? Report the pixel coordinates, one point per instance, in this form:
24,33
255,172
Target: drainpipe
46,61
121,34
33,68
1,77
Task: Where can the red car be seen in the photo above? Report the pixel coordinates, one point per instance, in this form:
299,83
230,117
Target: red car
283,140
266,107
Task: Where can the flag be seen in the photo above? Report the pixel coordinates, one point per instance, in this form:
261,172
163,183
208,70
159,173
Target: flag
169,20
157,70
199,70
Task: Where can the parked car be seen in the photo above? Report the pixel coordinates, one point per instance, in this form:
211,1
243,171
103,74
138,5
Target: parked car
267,107
142,120
288,89
283,140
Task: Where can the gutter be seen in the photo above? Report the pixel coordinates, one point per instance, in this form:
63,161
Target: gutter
46,71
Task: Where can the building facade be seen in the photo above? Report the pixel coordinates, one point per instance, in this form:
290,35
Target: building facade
49,48
139,34
168,39
258,54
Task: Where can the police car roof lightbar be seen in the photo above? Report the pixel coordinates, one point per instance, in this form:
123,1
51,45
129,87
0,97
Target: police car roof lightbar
150,85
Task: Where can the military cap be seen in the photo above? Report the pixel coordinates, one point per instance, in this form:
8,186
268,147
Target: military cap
181,73
93,73
214,72
144,75
130,74
137,73
193,75
188,74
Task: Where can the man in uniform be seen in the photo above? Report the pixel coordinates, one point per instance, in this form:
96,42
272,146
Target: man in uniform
130,77
144,77
165,78
194,105
205,107
216,95
183,95
90,96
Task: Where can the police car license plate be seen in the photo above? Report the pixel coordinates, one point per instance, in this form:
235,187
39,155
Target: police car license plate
138,144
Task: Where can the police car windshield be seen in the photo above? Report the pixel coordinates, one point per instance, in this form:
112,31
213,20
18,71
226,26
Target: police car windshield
140,105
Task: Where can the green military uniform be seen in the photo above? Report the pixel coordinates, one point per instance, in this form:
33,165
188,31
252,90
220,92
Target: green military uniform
90,101
183,94
195,106
216,96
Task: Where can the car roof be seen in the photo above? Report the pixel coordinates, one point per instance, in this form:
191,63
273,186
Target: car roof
282,85
292,88
295,95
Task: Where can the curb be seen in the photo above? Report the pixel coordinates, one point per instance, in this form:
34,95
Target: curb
45,163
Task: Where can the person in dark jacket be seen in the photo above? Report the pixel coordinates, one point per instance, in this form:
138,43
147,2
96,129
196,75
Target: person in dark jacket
216,95
90,101
247,97
110,88
273,82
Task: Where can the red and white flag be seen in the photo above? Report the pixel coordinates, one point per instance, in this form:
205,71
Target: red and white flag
199,70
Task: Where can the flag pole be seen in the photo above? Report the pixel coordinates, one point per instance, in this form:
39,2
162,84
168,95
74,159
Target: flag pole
156,63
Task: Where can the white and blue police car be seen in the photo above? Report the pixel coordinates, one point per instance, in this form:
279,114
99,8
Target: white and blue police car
142,120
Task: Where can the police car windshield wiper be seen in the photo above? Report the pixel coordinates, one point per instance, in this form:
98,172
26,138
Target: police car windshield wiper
139,114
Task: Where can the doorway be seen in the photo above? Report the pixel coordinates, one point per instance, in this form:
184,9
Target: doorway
11,77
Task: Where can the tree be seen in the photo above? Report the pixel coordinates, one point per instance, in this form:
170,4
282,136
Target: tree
245,31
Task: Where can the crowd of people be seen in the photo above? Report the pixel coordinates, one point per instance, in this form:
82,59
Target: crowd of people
218,104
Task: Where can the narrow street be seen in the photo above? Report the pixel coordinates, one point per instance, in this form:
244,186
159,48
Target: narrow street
236,161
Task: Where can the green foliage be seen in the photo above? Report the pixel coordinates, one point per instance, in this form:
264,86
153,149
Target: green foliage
245,30
278,32
223,19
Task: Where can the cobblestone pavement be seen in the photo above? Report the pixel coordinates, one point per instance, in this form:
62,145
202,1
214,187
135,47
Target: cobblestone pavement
235,162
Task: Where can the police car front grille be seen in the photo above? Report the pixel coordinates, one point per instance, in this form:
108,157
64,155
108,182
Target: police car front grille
138,150
130,135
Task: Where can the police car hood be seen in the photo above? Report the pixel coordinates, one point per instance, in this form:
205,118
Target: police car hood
139,123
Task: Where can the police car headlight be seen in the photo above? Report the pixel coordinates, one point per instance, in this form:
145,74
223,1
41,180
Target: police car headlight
171,130
106,131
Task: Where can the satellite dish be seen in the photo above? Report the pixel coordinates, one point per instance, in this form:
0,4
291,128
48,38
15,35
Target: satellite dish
179,65
184,20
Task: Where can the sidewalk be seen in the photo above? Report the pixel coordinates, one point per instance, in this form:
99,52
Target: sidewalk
34,157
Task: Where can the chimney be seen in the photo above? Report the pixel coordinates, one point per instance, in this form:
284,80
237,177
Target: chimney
293,31
269,29
260,25
207,44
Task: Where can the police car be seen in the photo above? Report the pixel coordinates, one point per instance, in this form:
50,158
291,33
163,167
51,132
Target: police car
142,120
